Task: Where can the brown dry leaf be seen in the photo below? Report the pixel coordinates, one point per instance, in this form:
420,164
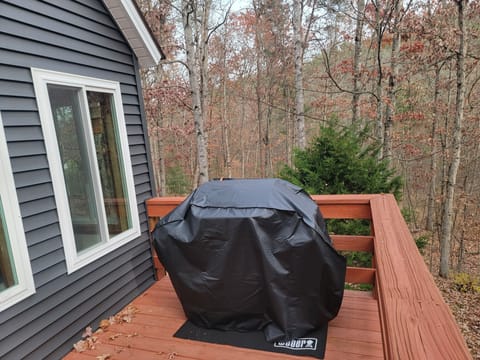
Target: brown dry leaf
91,342
466,310
126,315
88,332
88,343
80,346
126,318
131,310
113,337
104,324
104,357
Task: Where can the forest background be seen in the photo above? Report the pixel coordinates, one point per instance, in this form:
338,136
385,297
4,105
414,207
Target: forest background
245,83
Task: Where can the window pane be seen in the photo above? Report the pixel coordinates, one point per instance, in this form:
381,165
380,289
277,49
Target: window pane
8,275
70,131
102,114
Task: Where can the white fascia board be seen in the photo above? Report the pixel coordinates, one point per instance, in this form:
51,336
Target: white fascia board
134,29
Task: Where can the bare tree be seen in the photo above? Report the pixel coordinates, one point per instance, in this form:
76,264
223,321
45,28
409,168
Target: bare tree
197,32
225,117
434,159
195,47
299,91
448,209
392,80
272,62
356,60
258,89
379,32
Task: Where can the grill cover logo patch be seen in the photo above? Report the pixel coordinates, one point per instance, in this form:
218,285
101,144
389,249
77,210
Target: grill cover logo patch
298,344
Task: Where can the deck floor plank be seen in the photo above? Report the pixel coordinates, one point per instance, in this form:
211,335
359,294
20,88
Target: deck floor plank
353,334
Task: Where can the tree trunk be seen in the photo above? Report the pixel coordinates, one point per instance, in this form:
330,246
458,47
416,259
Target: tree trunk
289,134
392,82
155,126
266,140
356,61
445,143
433,161
461,245
379,130
258,90
299,47
448,210
202,46
195,71
158,158
242,127
225,120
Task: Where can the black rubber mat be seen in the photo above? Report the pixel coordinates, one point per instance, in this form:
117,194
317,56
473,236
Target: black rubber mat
312,344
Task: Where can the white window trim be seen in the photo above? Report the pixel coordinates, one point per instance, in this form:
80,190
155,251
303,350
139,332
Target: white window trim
15,231
41,78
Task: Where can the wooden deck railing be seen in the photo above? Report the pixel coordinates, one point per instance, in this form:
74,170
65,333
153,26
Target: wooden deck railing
416,323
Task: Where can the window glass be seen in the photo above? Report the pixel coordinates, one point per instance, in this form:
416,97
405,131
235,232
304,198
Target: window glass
8,275
102,116
77,173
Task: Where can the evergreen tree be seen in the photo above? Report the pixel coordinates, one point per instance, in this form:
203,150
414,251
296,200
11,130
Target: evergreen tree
342,162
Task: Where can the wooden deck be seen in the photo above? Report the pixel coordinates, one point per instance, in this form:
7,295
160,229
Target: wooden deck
353,334
404,317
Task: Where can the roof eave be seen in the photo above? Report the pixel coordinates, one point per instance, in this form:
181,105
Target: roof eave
133,26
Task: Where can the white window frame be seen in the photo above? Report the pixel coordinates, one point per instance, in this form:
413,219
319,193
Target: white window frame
74,260
15,232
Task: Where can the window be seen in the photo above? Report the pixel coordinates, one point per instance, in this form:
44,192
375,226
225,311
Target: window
86,139
16,279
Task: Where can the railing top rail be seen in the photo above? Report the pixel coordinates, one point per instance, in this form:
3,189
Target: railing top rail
416,322
356,206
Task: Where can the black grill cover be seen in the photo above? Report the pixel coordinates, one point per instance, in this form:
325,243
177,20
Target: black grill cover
252,254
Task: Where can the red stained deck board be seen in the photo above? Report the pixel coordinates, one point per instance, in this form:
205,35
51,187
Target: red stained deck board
354,334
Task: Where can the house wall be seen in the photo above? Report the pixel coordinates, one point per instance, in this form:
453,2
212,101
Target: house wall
76,37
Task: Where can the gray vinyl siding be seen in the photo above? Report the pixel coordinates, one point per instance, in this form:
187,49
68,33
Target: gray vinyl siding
78,37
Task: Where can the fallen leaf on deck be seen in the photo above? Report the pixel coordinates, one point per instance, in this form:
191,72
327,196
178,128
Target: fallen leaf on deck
80,346
88,332
104,324
104,357
113,337
88,343
91,342
126,315
127,318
